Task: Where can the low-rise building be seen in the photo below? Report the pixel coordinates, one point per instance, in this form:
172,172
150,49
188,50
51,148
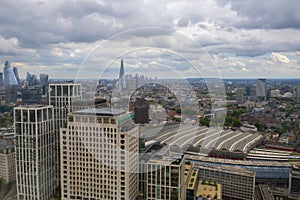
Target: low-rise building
196,188
209,190
237,183
294,185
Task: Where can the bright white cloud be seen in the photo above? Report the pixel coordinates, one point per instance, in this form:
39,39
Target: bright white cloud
279,58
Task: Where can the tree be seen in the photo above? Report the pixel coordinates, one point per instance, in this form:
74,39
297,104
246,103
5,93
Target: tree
232,121
228,121
178,111
259,126
237,113
236,122
204,121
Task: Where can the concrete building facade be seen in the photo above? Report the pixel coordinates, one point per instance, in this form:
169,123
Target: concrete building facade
99,155
61,97
164,177
7,162
240,95
237,183
34,142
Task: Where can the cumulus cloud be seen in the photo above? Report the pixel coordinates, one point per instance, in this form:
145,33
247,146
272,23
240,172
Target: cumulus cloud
279,58
58,33
244,69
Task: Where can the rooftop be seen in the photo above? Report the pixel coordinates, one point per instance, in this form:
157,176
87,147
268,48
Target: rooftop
5,145
228,169
240,162
65,83
263,169
201,136
32,106
101,112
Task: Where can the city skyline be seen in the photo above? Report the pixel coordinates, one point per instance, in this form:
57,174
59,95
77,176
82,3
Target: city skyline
149,100
97,149
242,38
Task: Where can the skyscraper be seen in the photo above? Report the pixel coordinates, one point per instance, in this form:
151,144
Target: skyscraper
296,93
240,91
99,155
31,79
1,80
122,81
10,83
44,81
34,141
16,74
141,111
261,88
32,95
6,73
61,96
122,72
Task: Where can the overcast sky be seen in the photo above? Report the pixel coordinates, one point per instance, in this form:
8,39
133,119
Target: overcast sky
87,38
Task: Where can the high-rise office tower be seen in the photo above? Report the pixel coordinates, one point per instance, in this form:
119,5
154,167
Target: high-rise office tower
261,88
248,90
10,83
16,74
131,82
240,91
122,71
1,80
122,81
61,96
296,93
34,142
141,111
99,155
32,95
6,73
44,81
31,79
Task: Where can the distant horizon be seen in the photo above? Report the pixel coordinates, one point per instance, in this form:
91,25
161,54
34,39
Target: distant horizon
234,78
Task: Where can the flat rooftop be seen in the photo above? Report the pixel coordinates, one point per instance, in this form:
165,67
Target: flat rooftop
240,162
101,112
228,169
5,145
33,106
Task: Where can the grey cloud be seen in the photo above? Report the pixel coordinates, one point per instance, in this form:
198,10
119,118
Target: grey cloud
243,28
271,14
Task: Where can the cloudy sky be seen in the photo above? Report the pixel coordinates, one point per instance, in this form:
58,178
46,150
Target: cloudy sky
87,38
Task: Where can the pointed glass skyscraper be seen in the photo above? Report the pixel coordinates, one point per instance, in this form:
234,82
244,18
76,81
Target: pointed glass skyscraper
122,81
122,72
